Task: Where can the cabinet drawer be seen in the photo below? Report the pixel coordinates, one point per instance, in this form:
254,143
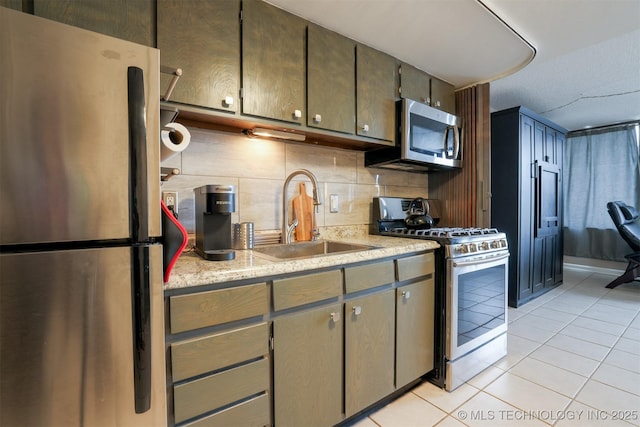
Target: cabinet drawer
415,266
252,413
208,393
301,290
198,356
214,307
368,276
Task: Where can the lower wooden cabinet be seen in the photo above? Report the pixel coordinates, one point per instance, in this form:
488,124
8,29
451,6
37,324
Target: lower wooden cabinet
369,350
414,331
300,350
217,390
307,368
220,376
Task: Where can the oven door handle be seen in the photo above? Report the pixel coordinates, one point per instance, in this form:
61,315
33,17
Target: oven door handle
494,258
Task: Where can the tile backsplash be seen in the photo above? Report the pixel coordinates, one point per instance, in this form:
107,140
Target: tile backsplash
258,168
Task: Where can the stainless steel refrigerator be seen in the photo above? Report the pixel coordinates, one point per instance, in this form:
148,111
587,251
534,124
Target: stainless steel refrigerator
81,311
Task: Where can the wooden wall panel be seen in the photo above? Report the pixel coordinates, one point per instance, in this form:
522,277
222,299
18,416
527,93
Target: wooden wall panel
466,192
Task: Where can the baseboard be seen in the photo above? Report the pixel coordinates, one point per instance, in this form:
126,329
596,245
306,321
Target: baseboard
594,265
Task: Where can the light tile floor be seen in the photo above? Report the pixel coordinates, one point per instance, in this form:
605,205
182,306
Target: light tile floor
573,360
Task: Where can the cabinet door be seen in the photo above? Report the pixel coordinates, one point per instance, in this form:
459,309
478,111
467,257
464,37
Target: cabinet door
369,350
376,93
443,96
547,199
273,62
12,4
414,331
307,363
125,19
203,38
331,84
414,84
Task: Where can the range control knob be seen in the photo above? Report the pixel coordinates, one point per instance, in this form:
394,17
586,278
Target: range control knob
461,249
495,244
484,246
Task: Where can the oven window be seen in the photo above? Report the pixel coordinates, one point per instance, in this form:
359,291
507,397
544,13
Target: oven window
481,302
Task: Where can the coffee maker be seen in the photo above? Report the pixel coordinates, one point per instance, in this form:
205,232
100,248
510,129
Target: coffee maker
214,205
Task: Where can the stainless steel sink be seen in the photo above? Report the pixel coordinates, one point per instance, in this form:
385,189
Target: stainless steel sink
308,249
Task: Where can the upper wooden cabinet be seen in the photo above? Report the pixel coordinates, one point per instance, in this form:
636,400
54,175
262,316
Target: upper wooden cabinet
420,86
415,84
125,19
203,39
331,84
273,62
376,93
443,96
12,4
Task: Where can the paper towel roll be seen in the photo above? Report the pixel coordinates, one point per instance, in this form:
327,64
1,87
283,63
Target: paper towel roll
174,138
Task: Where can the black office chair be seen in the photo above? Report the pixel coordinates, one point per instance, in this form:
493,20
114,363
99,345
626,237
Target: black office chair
627,221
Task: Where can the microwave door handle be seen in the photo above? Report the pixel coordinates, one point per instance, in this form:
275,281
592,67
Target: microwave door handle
457,142
446,143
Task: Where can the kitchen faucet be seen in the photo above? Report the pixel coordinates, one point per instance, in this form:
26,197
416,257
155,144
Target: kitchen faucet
287,228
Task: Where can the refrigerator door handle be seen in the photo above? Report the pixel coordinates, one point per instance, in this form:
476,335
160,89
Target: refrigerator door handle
139,223
139,189
141,301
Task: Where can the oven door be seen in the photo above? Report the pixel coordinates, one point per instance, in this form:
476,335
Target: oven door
476,309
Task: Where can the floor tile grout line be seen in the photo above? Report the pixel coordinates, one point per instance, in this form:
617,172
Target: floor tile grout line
600,363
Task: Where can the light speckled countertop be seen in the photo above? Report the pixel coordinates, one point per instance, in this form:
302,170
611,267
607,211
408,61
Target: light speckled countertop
191,270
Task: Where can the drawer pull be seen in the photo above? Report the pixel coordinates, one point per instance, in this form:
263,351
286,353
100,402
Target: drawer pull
406,294
357,310
335,316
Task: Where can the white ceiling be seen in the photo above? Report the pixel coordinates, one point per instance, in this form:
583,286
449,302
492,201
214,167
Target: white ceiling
586,69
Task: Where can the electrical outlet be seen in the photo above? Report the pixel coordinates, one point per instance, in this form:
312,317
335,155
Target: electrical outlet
170,198
334,202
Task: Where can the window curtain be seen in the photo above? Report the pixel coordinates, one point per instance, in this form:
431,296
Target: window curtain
599,167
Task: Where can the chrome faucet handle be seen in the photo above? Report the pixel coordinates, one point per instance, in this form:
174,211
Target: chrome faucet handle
315,234
290,229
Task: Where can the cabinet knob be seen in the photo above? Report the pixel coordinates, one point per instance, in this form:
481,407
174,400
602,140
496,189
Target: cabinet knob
406,294
437,103
228,101
317,118
357,310
297,114
365,128
335,316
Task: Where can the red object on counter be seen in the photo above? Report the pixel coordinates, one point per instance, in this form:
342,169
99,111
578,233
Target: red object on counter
174,240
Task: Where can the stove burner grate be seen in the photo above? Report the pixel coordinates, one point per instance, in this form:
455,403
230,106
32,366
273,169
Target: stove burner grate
445,232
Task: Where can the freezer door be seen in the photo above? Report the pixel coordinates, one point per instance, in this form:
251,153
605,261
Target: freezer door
67,346
64,132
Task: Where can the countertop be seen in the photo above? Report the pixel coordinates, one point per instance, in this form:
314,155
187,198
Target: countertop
191,270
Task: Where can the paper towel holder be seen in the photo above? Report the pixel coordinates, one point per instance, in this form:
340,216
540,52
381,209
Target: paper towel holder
167,173
176,72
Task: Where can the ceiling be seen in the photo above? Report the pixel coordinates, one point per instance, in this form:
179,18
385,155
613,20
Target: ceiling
575,62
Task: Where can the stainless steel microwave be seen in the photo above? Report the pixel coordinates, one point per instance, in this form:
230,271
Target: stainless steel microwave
428,139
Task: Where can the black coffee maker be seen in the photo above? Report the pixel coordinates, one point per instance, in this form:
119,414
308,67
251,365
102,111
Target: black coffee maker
214,205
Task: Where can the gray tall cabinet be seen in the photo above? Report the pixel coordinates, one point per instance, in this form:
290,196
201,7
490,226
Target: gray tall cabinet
526,187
